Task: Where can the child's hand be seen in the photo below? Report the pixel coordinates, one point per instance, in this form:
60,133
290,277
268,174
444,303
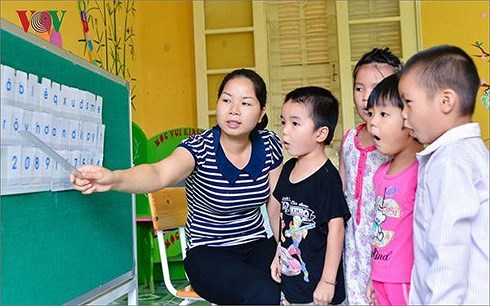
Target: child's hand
370,294
323,294
276,269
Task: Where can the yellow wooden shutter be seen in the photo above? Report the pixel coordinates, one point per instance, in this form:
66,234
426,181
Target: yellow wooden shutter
366,24
296,43
302,40
224,35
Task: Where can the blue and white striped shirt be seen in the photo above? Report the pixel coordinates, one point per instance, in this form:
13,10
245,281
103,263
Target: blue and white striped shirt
224,201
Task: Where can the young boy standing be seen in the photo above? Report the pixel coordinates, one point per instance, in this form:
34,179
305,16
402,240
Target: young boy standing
313,208
451,218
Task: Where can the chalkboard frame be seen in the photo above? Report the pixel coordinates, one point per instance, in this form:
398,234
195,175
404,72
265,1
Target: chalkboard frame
65,247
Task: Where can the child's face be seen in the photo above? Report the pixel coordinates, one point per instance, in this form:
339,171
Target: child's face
422,114
298,133
386,126
367,77
238,111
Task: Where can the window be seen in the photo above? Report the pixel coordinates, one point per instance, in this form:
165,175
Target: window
296,43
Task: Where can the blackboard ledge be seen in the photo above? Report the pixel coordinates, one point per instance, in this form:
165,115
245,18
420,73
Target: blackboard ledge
110,291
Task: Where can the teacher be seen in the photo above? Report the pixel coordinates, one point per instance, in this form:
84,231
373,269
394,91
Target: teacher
229,172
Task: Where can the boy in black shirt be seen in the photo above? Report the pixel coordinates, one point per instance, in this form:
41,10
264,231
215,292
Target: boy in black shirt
313,209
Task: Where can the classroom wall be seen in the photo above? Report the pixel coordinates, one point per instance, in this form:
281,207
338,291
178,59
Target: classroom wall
461,23
70,27
161,71
165,95
165,66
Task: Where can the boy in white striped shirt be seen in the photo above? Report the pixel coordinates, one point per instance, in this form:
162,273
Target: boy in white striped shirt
451,218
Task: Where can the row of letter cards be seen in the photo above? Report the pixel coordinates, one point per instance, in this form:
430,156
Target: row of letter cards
28,169
67,119
24,90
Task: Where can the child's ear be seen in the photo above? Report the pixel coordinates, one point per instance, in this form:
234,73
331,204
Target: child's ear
448,100
322,134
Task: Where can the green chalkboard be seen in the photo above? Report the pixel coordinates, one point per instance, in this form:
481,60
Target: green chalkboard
59,246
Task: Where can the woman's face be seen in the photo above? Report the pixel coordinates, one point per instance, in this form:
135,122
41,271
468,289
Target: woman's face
367,77
238,111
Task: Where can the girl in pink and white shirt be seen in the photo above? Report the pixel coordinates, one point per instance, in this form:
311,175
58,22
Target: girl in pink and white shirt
395,185
358,162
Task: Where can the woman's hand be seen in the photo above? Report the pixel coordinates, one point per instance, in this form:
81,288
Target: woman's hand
323,294
94,179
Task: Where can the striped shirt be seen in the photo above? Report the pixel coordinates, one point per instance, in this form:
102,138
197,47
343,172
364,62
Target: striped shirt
224,201
451,221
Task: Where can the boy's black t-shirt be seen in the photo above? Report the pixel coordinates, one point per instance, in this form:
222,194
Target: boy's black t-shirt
306,208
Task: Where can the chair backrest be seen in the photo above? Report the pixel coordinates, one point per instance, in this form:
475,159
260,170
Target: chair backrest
169,211
168,208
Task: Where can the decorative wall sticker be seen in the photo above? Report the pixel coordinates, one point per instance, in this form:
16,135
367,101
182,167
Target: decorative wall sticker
89,46
111,24
485,56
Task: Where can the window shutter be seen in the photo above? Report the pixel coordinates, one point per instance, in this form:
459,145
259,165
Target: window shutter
366,24
302,40
225,39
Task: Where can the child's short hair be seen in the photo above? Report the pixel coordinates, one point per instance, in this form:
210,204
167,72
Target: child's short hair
447,66
322,105
381,56
386,93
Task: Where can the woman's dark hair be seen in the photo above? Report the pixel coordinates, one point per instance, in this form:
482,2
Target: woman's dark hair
259,87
